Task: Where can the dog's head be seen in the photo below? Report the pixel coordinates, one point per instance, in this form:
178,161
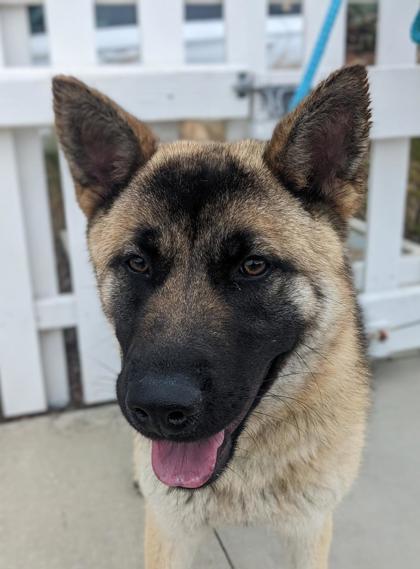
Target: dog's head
215,262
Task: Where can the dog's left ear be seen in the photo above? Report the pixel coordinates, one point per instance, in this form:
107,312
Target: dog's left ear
104,145
318,151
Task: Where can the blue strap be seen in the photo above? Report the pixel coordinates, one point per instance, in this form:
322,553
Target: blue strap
317,54
415,29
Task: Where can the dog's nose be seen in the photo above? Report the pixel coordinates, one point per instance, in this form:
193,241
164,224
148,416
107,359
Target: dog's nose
164,405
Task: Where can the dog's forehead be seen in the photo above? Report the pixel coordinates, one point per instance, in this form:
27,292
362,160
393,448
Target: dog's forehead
185,179
197,192
196,188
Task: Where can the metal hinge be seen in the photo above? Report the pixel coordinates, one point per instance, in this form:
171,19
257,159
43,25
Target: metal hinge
273,99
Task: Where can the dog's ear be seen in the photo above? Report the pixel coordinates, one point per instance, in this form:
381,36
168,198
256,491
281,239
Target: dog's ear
318,151
103,144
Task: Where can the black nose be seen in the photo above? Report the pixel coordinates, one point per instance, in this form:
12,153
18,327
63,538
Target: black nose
164,405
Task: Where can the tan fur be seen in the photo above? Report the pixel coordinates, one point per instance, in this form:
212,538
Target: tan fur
320,419
319,423
300,449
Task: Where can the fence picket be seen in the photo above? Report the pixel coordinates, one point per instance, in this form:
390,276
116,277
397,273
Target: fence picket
245,33
245,44
34,200
30,162
161,23
389,160
394,21
22,384
14,24
71,28
387,189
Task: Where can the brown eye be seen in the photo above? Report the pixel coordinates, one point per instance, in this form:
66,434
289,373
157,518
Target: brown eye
138,264
254,267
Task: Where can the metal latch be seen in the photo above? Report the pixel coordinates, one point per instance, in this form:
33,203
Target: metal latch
273,99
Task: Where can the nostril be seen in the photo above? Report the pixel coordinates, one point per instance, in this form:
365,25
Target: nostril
140,413
176,418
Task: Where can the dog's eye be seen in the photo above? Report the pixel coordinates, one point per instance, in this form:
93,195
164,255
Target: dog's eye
254,267
138,264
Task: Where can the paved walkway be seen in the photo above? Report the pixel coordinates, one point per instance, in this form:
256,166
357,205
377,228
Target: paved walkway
67,501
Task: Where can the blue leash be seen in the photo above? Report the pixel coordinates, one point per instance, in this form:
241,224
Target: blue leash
317,53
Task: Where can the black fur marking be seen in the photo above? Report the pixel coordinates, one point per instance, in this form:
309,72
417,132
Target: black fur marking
189,185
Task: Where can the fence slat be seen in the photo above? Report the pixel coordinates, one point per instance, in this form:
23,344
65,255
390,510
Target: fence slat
22,386
56,312
245,33
389,159
35,202
245,44
397,311
97,347
14,22
393,42
386,207
165,95
161,23
238,48
71,30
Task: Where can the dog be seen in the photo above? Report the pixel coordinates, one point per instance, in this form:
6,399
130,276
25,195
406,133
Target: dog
222,268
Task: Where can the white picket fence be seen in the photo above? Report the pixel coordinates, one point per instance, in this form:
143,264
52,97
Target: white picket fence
163,89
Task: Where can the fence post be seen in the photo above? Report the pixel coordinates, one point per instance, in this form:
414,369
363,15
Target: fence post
98,355
389,159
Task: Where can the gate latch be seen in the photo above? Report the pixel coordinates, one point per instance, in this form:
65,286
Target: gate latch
273,99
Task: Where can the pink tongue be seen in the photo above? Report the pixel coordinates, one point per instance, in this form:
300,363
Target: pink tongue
189,465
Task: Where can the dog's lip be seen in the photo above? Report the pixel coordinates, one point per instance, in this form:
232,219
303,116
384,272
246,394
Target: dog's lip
232,431
225,451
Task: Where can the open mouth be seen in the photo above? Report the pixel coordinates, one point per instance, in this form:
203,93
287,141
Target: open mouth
195,464
186,464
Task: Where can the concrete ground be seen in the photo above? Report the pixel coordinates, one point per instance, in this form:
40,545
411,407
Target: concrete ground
67,500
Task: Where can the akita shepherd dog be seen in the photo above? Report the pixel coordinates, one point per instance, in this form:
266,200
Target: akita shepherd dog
222,268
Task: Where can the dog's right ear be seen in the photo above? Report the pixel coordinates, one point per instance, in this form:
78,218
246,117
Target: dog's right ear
103,144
